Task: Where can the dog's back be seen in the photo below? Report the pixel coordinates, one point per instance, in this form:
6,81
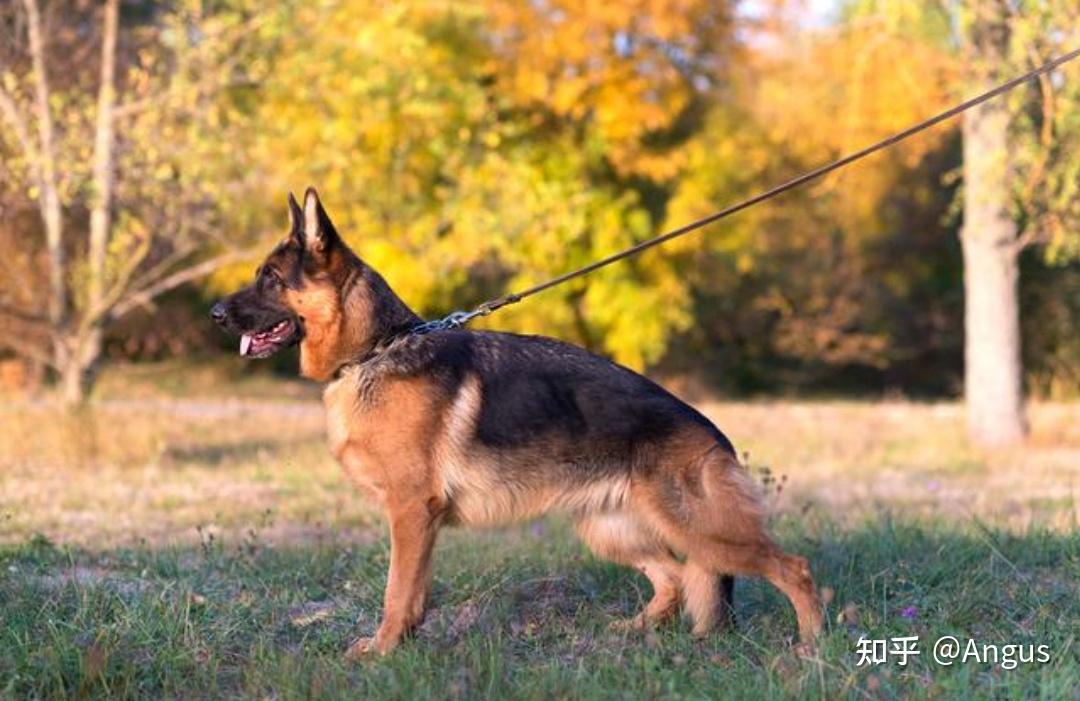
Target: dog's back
528,423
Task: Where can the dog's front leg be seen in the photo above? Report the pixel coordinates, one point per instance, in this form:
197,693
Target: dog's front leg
413,527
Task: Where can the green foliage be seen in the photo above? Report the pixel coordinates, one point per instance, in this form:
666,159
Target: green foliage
175,122
1046,128
471,149
807,278
454,171
1045,114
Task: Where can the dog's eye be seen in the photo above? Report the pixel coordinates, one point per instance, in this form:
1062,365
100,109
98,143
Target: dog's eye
270,277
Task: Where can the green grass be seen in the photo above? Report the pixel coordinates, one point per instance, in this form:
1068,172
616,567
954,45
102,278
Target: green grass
209,548
524,614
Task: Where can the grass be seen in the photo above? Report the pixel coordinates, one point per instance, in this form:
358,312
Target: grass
211,549
525,616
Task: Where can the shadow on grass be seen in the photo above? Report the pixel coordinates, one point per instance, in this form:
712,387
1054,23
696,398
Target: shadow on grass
216,454
526,614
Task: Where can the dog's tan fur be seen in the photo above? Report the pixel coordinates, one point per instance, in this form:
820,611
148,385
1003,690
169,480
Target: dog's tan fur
694,515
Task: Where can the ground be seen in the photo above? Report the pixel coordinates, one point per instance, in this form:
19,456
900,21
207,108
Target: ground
209,547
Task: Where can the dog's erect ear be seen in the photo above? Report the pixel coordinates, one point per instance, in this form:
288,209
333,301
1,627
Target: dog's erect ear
296,220
319,232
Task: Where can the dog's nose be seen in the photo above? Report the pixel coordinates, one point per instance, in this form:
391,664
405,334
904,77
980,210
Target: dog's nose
218,313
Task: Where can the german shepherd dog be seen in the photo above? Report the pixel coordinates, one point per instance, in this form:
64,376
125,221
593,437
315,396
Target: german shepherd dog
481,428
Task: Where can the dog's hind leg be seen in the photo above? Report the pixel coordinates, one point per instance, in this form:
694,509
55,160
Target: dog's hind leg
700,595
710,511
727,601
618,537
664,576
788,573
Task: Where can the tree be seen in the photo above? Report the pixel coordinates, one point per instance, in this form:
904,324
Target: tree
1019,165
993,373
1019,190
826,283
160,238
503,143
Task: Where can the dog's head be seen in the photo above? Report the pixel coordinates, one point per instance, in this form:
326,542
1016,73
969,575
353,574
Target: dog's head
310,290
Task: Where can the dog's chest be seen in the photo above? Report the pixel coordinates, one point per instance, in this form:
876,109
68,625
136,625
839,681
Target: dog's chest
338,416
345,433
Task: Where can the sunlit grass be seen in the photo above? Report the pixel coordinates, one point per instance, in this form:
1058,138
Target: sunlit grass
207,548
526,616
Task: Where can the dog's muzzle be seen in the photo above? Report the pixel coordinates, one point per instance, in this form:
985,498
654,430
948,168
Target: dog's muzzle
219,313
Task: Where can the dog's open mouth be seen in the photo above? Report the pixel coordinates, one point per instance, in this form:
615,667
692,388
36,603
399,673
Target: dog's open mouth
266,343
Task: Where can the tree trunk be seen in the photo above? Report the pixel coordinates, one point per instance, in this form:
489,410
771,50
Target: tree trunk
101,204
78,373
74,384
101,199
992,365
52,215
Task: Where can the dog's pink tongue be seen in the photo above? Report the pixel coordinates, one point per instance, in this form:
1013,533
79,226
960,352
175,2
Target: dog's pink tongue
245,343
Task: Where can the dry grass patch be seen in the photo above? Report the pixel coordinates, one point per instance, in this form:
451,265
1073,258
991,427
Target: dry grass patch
156,470
212,549
856,459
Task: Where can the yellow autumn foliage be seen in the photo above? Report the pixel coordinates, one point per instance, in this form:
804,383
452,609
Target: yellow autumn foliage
468,149
461,147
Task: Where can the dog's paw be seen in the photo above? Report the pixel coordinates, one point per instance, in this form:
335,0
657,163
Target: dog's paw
361,648
805,650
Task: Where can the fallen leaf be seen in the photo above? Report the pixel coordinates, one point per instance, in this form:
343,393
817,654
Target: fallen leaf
310,612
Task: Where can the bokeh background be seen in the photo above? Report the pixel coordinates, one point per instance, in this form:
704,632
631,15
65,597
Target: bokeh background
471,148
